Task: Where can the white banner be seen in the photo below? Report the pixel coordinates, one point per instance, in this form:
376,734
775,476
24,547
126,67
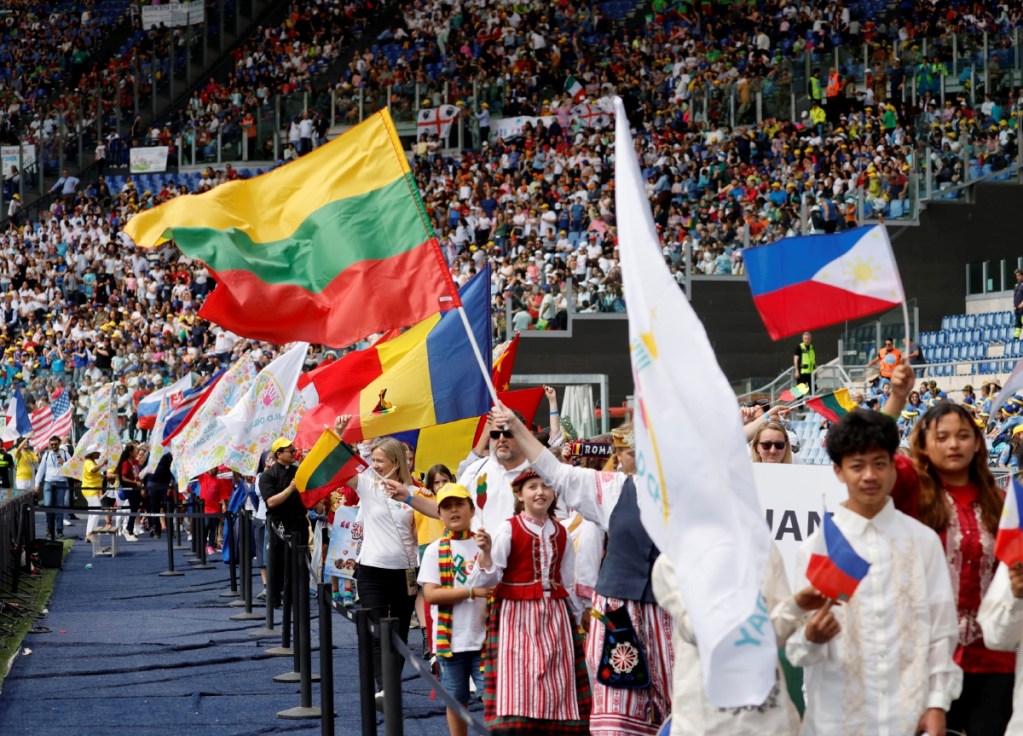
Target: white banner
792,497
148,159
173,14
25,160
505,128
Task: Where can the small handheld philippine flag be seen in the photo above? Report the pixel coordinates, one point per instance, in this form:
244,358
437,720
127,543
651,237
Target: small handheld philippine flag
1009,542
835,569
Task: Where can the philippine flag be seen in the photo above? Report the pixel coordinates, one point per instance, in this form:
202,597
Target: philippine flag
818,280
835,569
1009,542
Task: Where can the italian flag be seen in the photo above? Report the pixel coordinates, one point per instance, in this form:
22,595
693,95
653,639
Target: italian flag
329,249
574,88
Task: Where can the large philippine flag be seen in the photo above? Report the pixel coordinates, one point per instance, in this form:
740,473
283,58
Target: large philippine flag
817,280
1009,542
835,568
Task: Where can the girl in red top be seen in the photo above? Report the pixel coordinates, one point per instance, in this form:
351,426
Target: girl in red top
947,485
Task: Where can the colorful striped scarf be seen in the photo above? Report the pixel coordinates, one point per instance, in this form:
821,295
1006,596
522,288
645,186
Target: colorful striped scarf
447,580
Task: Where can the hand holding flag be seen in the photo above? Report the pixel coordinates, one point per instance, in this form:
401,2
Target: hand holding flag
329,464
835,568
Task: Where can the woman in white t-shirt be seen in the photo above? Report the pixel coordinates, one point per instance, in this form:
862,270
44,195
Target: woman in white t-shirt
388,560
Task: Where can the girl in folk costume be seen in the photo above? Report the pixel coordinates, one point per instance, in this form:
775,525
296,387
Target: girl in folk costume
948,486
535,677
632,695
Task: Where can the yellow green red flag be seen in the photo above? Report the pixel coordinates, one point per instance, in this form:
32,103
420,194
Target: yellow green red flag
328,249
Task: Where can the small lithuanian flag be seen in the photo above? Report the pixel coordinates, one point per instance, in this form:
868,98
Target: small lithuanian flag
330,463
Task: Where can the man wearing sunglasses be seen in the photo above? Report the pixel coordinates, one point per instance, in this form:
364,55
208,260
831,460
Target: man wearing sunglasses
488,472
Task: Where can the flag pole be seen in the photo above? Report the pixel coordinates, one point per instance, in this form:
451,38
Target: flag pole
478,354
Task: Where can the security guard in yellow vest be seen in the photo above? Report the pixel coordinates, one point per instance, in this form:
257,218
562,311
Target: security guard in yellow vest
805,360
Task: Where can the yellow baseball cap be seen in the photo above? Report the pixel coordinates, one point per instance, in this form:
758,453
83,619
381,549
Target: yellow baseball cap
452,490
280,443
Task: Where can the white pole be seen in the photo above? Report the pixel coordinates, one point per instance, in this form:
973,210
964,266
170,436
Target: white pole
479,356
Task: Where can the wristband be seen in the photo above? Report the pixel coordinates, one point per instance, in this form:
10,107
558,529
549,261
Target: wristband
408,501
470,594
555,412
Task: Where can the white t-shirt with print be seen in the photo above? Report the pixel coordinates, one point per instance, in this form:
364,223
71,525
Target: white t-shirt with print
468,618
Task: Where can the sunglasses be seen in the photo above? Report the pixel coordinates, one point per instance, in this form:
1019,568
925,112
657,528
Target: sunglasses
768,445
495,433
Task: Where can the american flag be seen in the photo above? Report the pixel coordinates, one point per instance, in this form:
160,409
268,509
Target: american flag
54,419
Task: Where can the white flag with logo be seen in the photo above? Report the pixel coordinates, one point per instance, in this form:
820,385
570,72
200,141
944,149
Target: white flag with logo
436,120
256,420
694,476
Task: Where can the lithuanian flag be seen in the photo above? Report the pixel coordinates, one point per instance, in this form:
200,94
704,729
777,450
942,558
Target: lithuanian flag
833,406
796,392
325,467
327,249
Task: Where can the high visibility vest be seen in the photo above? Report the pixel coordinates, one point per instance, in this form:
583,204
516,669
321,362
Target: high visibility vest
808,359
815,88
834,85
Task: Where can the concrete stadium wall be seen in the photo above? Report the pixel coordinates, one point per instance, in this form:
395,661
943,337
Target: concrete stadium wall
931,258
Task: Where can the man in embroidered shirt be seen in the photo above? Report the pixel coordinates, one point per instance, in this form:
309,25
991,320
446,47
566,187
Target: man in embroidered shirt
882,662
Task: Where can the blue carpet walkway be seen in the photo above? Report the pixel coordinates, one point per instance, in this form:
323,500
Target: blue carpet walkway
137,654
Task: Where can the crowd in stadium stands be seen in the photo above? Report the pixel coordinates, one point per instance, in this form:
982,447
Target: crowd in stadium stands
539,205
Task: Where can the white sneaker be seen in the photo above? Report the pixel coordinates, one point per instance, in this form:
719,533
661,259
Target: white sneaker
130,537
379,698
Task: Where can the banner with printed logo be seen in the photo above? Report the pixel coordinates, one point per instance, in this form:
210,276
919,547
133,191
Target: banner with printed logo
509,128
22,158
345,538
148,159
173,15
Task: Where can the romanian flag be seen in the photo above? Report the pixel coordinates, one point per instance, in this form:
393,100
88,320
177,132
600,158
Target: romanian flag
833,406
817,280
835,569
425,376
326,466
328,249
796,392
1009,542
504,363
449,444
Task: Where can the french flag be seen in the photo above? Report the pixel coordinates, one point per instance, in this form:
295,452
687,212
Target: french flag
812,281
1009,542
835,569
18,422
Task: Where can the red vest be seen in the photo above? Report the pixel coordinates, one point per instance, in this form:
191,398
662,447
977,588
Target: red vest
522,579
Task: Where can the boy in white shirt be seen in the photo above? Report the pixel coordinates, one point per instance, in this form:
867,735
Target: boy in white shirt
881,663
459,612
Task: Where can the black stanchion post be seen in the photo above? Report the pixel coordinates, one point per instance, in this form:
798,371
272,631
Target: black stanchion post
170,571
246,534
367,685
305,708
201,563
267,630
326,661
192,528
176,521
291,583
245,542
285,649
390,665
229,538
